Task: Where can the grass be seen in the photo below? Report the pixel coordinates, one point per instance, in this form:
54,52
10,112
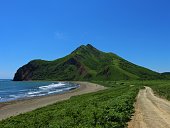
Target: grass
104,109
111,108
161,88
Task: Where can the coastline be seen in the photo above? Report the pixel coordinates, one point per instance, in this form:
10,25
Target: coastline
34,97
17,107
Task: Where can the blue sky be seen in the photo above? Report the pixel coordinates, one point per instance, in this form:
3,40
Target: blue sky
137,30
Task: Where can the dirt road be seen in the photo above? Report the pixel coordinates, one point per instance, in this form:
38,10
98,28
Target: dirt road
151,111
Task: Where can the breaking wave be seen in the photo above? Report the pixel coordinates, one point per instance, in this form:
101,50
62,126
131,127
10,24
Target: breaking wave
53,88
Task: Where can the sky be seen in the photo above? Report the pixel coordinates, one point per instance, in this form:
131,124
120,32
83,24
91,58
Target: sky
137,30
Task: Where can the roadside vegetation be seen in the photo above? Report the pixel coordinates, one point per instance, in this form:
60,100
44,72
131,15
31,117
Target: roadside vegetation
161,88
110,108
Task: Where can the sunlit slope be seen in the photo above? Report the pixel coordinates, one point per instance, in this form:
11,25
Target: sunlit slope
85,63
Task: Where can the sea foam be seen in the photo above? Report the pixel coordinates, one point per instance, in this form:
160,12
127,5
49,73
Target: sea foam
52,86
20,90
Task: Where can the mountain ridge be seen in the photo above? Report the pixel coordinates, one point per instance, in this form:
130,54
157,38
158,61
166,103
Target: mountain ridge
85,63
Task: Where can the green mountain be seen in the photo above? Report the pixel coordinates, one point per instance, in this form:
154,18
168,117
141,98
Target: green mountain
85,63
166,75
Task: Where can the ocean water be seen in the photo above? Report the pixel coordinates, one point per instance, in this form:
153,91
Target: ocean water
11,90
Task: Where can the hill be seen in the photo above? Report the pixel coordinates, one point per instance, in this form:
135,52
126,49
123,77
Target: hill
166,75
85,63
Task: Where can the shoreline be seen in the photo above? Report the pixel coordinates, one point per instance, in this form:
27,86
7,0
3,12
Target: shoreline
36,97
16,107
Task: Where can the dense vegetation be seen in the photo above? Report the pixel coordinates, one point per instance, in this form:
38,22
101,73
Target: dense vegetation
111,108
85,63
161,88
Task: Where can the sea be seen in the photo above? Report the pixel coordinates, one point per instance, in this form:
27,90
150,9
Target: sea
12,90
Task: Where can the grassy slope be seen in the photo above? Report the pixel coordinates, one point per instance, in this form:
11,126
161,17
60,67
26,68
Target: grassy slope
166,75
85,63
109,108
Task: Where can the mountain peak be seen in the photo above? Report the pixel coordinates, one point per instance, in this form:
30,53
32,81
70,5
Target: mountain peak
87,47
91,47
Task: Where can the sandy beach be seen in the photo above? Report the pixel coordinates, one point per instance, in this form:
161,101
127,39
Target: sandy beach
14,108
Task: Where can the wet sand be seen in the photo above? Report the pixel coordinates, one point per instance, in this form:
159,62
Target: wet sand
17,107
